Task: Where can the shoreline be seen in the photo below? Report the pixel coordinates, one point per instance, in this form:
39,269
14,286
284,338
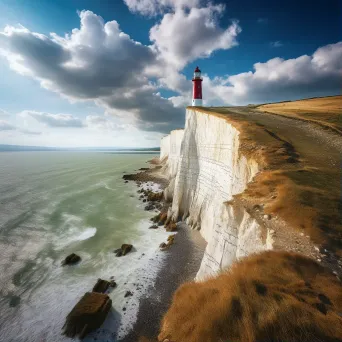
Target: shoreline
181,264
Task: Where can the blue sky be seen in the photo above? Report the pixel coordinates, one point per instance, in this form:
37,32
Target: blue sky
129,85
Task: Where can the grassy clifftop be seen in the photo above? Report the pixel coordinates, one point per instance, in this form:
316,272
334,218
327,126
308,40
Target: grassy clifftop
325,111
273,296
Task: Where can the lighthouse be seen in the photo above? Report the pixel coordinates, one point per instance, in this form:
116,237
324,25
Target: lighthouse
197,88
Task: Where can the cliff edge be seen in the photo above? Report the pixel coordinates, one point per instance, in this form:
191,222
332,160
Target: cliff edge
251,180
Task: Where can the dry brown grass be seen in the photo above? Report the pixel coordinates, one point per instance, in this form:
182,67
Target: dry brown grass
325,111
273,296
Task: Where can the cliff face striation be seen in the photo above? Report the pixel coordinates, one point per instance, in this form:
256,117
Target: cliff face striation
252,179
206,169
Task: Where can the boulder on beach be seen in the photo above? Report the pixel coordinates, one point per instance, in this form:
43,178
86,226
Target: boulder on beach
171,227
163,246
14,301
162,218
149,207
156,218
71,259
125,248
170,240
87,315
128,294
128,177
171,237
118,252
158,206
155,196
101,286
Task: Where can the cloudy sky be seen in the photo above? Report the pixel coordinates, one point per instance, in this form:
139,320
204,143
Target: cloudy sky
118,72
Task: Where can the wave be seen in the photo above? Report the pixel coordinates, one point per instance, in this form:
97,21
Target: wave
87,234
73,230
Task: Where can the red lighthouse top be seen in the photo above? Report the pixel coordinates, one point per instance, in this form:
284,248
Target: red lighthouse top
197,88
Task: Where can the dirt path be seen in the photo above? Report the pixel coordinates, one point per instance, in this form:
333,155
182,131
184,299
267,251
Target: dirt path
325,111
317,146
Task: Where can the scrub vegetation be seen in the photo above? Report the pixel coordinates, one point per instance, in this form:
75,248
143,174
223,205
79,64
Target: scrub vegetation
325,111
273,296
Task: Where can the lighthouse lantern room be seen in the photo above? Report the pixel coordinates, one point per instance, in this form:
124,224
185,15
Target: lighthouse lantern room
197,88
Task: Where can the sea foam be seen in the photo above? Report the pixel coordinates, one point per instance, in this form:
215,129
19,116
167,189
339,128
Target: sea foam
74,230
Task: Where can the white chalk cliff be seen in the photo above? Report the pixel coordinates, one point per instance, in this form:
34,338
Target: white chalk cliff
205,170
170,148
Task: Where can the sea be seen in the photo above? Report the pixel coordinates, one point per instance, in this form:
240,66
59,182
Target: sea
56,203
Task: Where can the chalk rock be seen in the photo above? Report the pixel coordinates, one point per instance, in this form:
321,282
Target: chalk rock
171,227
71,259
128,294
87,315
125,248
112,283
101,286
149,207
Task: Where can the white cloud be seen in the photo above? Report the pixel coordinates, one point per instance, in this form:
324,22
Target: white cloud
279,79
175,81
54,120
29,132
6,126
96,130
262,21
154,7
100,63
181,101
277,43
4,113
184,36
92,61
102,123
96,62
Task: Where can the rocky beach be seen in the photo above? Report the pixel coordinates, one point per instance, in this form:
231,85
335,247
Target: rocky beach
183,256
182,251
72,221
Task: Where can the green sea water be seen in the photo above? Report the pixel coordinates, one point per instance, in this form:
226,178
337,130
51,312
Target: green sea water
56,203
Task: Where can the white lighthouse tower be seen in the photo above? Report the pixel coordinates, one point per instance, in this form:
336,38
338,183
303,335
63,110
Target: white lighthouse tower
197,88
